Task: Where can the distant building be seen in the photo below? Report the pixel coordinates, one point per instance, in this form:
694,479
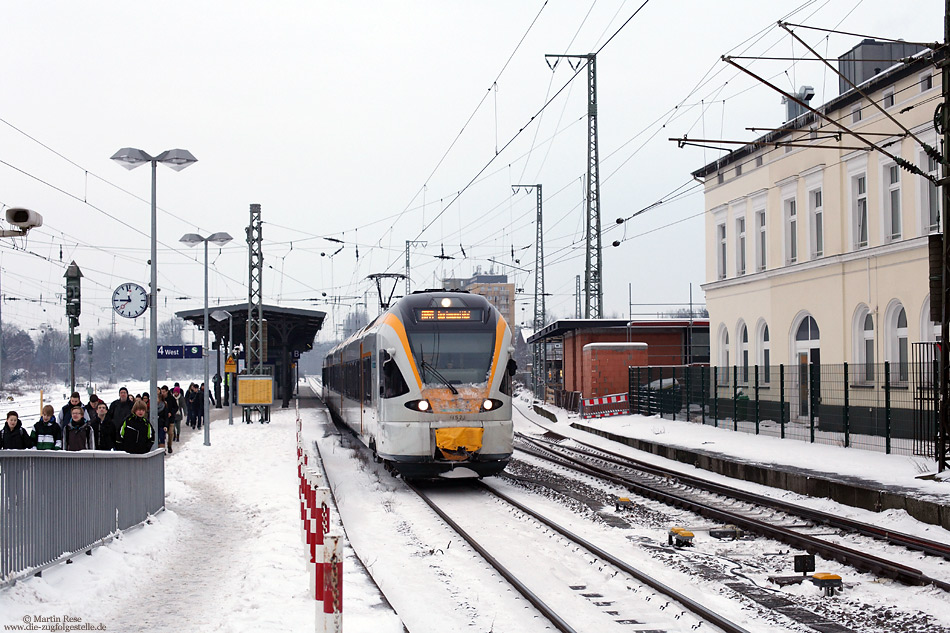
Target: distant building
495,288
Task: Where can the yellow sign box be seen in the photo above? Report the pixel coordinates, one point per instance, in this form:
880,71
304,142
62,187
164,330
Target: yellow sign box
230,365
255,390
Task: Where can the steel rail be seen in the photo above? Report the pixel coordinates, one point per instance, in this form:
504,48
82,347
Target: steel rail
695,607
933,548
845,555
530,596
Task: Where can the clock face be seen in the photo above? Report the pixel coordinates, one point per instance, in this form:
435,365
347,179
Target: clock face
130,300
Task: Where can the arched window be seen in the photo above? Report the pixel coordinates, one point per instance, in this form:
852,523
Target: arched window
744,343
897,347
903,351
765,354
867,348
724,356
808,330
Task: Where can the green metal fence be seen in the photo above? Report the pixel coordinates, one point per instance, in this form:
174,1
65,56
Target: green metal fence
881,407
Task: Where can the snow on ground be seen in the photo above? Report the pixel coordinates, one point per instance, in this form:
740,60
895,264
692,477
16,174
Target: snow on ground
429,575
877,469
225,556
886,470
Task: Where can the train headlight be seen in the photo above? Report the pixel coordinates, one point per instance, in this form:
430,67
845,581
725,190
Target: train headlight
490,404
419,405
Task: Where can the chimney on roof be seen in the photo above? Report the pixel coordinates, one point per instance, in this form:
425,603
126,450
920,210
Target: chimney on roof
792,108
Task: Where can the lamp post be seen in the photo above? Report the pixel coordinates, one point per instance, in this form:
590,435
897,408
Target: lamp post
192,239
177,159
221,315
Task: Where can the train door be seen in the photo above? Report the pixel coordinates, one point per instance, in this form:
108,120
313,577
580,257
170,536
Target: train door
362,394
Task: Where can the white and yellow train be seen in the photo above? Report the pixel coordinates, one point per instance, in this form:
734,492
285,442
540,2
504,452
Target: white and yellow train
427,386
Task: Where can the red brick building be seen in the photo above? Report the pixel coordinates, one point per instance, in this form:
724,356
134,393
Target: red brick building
669,342
605,367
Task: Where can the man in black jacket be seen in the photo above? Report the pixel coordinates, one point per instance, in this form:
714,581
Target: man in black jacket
120,409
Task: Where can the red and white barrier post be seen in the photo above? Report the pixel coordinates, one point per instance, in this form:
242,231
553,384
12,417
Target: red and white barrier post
319,525
330,612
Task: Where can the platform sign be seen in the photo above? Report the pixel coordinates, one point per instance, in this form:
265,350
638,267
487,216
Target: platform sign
230,365
171,351
255,390
193,351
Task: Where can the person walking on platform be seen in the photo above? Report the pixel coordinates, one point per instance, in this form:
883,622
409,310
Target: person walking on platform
120,409
168,419
78,434
65,414
91,407
179,404
200,405
46,435
135,434
13,435
190,397
103,429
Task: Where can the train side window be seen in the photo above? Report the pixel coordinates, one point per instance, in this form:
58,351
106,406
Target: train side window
393,384
510,370
367,379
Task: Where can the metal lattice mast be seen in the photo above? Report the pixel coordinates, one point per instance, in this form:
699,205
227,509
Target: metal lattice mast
408,244
594,308
255,294
593,274
539,312
577,298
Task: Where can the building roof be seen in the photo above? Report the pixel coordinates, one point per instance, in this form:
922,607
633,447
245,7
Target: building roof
300,325
882,80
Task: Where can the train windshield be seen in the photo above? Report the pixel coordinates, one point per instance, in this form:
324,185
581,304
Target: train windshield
458,357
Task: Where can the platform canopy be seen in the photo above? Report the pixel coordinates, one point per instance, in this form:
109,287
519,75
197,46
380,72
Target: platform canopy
294,327
288,330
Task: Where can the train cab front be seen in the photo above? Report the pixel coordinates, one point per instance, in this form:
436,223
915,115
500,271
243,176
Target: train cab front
458,411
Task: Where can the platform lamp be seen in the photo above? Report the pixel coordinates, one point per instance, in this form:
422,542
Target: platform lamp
177,159
221,315
193,239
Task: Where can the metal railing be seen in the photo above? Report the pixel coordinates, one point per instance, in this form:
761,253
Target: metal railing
886,406
56,504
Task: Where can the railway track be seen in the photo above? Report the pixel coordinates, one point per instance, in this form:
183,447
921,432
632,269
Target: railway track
689,616
739,507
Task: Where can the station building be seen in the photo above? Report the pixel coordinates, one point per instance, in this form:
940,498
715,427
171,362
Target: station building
817,246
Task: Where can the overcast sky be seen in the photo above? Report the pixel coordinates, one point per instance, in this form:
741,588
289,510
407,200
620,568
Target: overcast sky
360,121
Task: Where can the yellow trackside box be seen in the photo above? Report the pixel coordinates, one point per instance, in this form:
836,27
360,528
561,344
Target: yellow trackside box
254,390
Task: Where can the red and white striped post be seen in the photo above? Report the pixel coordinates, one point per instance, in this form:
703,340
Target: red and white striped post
331,614
319,525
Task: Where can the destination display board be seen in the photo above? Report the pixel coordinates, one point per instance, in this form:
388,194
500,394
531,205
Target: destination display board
448,314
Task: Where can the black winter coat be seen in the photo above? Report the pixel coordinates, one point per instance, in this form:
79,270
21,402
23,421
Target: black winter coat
166,416
135,435
105,434
119,411
15,438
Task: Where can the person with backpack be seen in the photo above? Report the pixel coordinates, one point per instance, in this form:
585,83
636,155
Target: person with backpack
13,435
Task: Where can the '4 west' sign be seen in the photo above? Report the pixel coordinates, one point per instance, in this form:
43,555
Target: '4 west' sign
171,351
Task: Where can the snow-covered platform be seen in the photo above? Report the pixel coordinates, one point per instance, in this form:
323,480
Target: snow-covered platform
225,555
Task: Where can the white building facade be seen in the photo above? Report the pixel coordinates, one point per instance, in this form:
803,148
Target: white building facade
818,252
